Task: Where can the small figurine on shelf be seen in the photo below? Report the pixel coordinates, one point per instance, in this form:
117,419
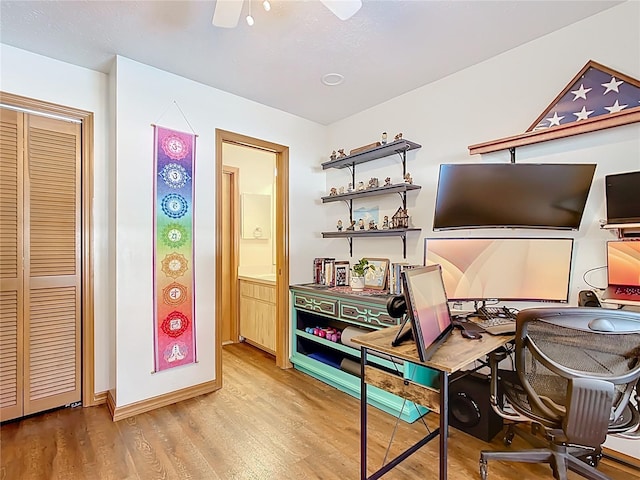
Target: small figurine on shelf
384,138
398,136
400,219
385,223
350,187
341,153
333,156
361,224
360,186
339,225
340,190
333,192
352,226
373,183
387,181
372,225
407,178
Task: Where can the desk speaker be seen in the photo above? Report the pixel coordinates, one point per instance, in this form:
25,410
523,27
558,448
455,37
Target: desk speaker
469,406
586,298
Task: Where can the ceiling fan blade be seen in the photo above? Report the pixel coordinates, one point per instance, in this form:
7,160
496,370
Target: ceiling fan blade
343,9
227,13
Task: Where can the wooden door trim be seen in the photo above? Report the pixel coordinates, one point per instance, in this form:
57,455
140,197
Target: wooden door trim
282,243
234,173
89,397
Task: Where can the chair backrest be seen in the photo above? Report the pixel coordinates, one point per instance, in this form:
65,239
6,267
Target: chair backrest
575,375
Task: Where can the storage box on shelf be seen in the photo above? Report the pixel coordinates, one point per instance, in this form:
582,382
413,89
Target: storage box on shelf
318,310
400,147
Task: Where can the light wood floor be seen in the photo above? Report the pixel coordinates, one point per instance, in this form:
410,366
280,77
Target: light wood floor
265,423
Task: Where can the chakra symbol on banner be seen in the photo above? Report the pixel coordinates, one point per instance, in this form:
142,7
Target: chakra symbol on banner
175,324
175,147
174,265
174,235
174,205
174,175
174,294
175,351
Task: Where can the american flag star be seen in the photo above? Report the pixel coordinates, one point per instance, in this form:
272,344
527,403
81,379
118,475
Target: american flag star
595,91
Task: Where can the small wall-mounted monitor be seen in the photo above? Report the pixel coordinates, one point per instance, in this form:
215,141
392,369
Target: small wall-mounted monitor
427,308
622,193
512,195
515,269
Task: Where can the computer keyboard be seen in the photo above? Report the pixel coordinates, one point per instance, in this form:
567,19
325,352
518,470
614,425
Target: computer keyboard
627,290
496,320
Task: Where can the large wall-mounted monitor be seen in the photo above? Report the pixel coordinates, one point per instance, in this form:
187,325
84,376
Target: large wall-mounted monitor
622,193
512,195
515,269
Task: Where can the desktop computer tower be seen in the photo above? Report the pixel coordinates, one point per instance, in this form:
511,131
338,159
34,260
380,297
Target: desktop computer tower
469,406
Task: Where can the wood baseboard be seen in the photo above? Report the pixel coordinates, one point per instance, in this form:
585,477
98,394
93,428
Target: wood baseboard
99,398
136,408
619,457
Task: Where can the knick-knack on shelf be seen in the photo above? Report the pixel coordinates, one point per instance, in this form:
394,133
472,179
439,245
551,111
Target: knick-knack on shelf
339,225
384,138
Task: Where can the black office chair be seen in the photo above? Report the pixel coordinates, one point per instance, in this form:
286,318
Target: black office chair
574,382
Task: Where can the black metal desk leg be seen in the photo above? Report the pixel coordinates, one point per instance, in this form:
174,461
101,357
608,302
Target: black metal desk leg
444,423
363,415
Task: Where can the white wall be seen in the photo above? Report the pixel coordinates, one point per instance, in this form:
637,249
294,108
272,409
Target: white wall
146,96
41,78
256,176
499,98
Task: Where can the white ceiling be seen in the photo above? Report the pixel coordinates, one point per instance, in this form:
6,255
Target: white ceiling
386,49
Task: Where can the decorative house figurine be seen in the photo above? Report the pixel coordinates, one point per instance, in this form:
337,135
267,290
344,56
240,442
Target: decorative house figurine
407,178
385,223
372,225
341,153
387,181
333,155
352,226
333,192
398,136
339,225
373,183
400,219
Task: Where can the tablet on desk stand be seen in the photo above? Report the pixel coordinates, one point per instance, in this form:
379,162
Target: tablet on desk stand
427,309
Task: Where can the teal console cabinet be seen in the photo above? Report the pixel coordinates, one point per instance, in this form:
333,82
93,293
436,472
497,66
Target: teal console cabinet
337,363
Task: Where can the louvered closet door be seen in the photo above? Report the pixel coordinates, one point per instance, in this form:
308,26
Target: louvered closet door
39,264
11,252
52,264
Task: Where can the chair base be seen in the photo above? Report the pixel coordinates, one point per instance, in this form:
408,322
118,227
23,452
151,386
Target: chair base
558,457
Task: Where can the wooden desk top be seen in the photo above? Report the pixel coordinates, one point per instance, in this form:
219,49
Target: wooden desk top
453,355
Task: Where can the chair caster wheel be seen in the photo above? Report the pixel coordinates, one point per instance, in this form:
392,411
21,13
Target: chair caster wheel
508,438
483,469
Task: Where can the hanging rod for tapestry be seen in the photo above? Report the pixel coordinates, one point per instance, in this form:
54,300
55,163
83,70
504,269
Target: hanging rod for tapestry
181,113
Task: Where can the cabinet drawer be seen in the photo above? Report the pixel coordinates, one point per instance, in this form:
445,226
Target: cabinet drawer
369,314
315,304
257,290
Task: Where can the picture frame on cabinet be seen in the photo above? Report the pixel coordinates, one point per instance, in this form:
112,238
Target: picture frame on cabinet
376,279
342,268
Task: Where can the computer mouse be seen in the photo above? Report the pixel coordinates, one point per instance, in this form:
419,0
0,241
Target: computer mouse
470,334
602,325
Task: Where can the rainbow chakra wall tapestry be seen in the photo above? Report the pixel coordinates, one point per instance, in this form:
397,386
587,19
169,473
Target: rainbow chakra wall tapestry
174,302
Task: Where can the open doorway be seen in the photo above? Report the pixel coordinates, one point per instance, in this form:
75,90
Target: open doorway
227,235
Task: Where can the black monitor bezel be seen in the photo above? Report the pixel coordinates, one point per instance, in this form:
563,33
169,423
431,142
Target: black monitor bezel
611,191
425,352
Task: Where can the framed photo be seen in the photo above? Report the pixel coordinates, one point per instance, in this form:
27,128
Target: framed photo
377,279
342,273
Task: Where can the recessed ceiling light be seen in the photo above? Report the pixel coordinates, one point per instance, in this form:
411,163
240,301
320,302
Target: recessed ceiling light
332,79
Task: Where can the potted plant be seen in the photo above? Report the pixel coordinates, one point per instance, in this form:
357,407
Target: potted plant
358,272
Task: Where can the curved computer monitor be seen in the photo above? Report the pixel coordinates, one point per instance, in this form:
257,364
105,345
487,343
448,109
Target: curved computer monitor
511,269
512,195
427,308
